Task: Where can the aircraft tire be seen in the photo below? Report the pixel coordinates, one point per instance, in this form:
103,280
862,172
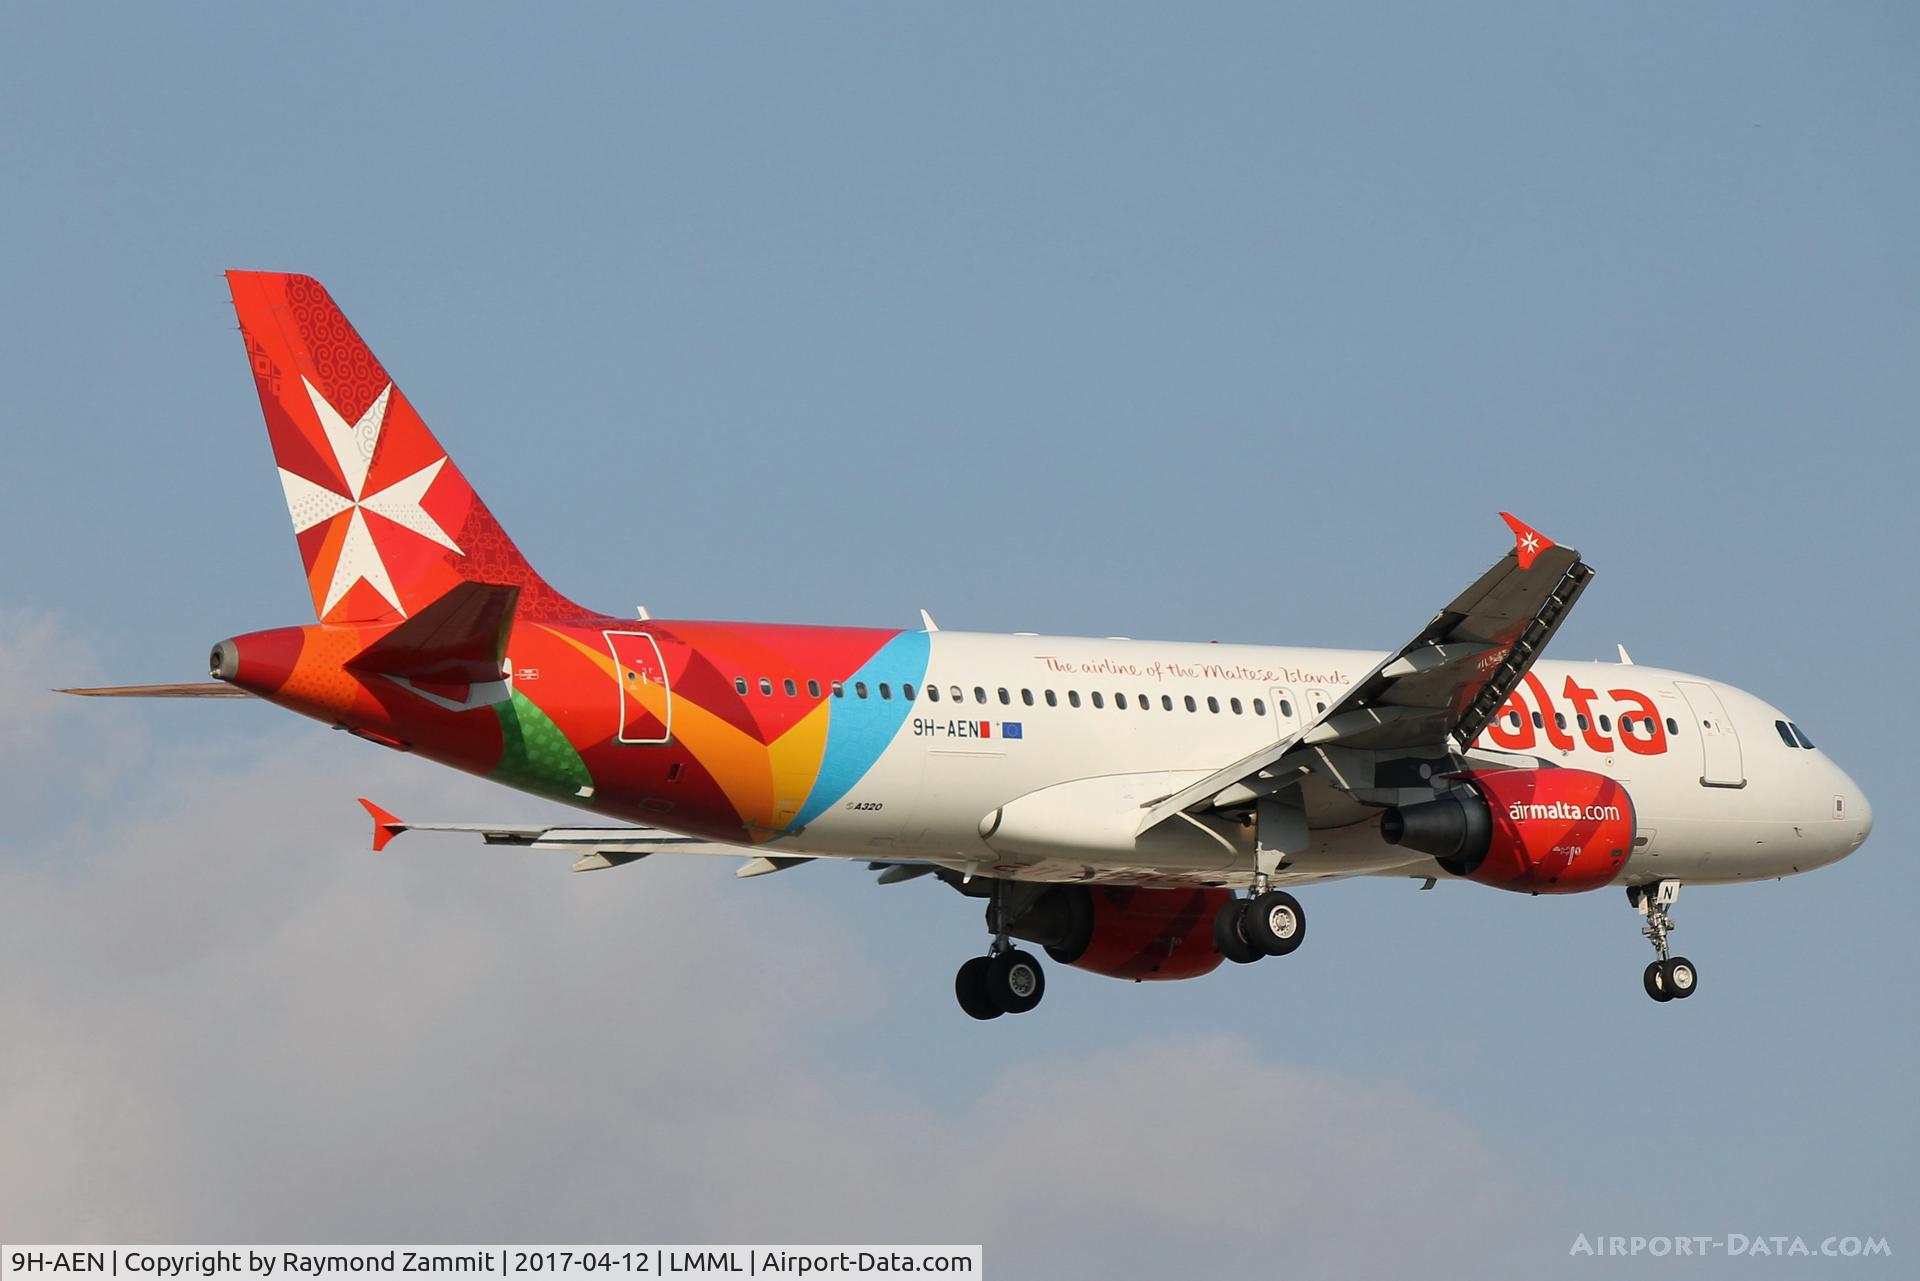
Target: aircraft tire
1655,981
1228,940
1275,923
1679,977
970,986
1015,982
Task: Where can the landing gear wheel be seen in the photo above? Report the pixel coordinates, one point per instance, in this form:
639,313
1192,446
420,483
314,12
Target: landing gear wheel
1275,924
970,985
1229,936
1678,976
1655,981
1015,982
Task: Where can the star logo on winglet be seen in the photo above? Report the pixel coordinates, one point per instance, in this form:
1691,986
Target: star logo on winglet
311,504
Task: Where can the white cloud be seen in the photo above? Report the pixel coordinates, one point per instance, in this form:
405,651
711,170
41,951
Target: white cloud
225,1020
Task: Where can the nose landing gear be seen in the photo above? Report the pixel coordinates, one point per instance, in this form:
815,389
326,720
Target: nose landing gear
1670,977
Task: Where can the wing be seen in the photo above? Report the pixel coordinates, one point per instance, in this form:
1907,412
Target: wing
1444,684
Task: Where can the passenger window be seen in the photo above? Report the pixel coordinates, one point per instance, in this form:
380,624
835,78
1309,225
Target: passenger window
1052,699
1005,698
839,690
1191,705
1606,723
793,691
906,692
1073,698
980,694
1786,735
1097,700
1234,703
1166,702
859,689
1213,704
933,693
1581,719
1801,735
1120,701
1145,702
1286,708
1259,707
1537,722
740,684
886,691
766,686
1673,726
813,689
956,695
1560,720
1026,696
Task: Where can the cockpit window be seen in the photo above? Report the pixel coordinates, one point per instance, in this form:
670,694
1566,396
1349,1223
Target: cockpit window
1786,735
1801,735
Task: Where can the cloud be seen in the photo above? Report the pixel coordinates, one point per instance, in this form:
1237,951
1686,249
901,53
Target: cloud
226,1020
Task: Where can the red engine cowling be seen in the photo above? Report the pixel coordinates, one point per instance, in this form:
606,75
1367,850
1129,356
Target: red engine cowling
1126,933
1534,831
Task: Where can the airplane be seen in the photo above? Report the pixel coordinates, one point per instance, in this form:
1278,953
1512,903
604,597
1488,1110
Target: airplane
1138,809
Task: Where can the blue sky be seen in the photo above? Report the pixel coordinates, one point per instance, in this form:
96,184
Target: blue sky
1235,322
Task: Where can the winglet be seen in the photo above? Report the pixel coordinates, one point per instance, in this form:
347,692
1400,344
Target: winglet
385,825
1528,542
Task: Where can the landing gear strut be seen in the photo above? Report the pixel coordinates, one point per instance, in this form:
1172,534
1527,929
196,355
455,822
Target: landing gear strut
1669,977
1006,980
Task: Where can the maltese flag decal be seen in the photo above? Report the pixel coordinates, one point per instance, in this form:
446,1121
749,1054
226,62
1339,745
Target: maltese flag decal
1528,542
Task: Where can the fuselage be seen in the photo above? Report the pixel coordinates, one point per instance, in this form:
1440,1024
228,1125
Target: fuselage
1028,757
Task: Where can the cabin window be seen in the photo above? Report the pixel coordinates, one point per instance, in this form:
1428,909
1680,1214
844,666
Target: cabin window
1145,702
1005,698
1606,723
1537,722
859,689
1191,705
1213,704
1120,701
933,693
1026,696
1097,700
1581,720
1052,700
793,691
813,689
1259,707
839,690
886,691
979,694
1560,720
1673,726
1073,698
953,692
906,691
740,684
766,686
1166,702
1234,703
1286,709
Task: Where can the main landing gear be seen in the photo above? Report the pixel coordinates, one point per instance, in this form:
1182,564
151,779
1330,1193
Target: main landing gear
1669,977
1006,980
1271,923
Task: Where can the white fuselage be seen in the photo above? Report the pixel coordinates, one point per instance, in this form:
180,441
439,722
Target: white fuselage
1035,756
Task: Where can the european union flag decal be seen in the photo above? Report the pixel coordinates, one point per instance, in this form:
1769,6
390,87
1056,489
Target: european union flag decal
1009,729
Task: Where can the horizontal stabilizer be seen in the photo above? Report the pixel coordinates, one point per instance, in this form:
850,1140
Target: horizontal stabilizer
195,689
460,639
594,848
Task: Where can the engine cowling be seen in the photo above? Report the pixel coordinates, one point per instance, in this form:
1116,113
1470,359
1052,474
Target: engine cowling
1126,933
1533,831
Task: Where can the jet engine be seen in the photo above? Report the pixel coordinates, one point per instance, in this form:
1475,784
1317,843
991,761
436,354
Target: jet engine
1533,831
1126,933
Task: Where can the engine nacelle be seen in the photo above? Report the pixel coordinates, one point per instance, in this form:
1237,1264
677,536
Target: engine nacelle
1534,831
1126,933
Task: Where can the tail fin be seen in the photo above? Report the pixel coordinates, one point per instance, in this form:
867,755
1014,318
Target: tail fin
385,521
